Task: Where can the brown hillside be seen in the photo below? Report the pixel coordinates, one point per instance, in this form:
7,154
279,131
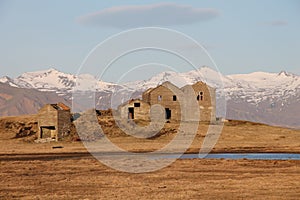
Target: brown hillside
20,101
236,136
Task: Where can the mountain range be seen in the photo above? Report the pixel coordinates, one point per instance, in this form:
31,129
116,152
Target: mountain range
271,98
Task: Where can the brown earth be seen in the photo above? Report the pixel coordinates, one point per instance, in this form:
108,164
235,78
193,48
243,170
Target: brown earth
39,171
184,179
17,135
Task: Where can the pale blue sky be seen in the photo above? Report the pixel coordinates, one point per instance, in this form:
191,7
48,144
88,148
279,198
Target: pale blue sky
241,36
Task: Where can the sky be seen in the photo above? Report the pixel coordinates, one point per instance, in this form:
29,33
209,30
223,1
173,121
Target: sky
240,36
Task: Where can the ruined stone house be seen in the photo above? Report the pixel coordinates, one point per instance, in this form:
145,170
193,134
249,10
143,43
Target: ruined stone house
196,99
54,121
166,95
206,99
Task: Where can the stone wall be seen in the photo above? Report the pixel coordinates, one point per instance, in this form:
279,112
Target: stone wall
53,122
135,109
206,98
196,98
167,95
64,123
47,117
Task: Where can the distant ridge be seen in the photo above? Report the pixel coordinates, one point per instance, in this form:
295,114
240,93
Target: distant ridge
19,101
272,98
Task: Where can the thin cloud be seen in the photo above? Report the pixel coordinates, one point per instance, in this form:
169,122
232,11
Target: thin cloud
163,14
276,23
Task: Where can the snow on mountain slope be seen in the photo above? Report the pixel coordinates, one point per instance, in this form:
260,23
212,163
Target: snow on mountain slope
259,80
46,80
253,88
272,98
7,80
50,80
260,96
259,86
204,74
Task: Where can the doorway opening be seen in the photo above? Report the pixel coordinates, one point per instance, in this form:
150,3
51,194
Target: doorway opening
130,113
47,132
168,113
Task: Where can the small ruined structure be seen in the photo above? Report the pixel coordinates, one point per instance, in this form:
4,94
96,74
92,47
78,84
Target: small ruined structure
198,97
54,121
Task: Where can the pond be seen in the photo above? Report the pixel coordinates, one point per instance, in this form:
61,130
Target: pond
251,156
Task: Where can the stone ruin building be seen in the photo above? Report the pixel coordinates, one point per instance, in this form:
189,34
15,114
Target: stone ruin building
54,121
168,95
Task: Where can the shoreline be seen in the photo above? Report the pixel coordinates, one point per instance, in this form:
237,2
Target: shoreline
88,155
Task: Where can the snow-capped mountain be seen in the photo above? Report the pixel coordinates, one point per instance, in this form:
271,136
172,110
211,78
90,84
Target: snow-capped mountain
9,81
253,88
46,80
204,74
260,86
272,98
52,80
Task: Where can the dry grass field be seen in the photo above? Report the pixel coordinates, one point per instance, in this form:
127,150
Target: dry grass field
39,171
86,178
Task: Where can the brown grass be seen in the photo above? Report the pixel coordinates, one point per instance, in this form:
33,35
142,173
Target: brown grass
236,136
184,179
85,178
